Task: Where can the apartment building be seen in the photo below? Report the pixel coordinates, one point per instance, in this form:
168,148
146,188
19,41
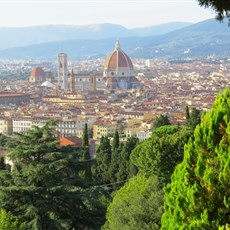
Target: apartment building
5,126
103,128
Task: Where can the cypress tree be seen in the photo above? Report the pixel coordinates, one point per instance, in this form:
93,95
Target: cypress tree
103,160
199,195
115,158
116,141
187,115
85,136
86,153
126,167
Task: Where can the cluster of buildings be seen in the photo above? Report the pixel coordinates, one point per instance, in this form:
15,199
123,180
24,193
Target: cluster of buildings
124,96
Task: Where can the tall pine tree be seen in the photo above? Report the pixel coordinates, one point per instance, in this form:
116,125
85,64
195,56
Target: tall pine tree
199,195
44,187
103,160
86,153
115,158
126,168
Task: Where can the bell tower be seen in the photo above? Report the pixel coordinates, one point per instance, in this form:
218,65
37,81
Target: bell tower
62,71
72,82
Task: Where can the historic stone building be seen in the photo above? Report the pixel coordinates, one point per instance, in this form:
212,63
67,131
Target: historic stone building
118,70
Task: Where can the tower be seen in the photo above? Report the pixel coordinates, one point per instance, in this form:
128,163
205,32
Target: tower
62,71
92,85
72,82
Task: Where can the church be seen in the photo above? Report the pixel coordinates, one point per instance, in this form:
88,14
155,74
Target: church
118,70
118,74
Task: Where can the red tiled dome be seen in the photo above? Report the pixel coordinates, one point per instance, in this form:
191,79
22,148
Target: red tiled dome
37,72
117,59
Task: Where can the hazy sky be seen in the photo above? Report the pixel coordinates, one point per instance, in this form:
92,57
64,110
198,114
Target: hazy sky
130,14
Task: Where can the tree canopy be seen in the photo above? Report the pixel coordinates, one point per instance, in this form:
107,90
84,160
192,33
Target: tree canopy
221,7
161,121
137,205
199,196
45,188
193,117
160,154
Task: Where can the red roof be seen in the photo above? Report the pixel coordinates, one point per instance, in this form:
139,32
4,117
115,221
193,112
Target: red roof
71,140
118,58
37,72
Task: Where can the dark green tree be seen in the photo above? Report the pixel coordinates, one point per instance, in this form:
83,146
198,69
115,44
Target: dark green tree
3,139
193,117
137,205
187,114
199,195
116,141
161,121
2,163
103,160
126,168
160,154
85,137
221,7
115,158
86,153
44,187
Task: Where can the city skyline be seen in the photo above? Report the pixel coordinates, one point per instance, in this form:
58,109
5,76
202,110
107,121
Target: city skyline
131,14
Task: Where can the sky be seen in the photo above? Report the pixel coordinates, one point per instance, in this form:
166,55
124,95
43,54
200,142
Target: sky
131,14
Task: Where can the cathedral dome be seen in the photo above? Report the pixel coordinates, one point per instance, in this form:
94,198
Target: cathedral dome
37,72
118,63
37,75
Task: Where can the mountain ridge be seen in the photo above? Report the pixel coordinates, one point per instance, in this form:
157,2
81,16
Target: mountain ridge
201,39
51,33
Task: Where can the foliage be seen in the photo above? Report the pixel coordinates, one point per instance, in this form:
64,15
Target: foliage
126,167
199,196
193,118
45,188
103,160
3,139
115,158
2,163
9,222
85,155
113,163
162,152
137,205
116,141
85,137
161,121
221,7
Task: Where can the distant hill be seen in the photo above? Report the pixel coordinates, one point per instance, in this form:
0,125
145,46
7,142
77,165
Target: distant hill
160,29
197,40
42,34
